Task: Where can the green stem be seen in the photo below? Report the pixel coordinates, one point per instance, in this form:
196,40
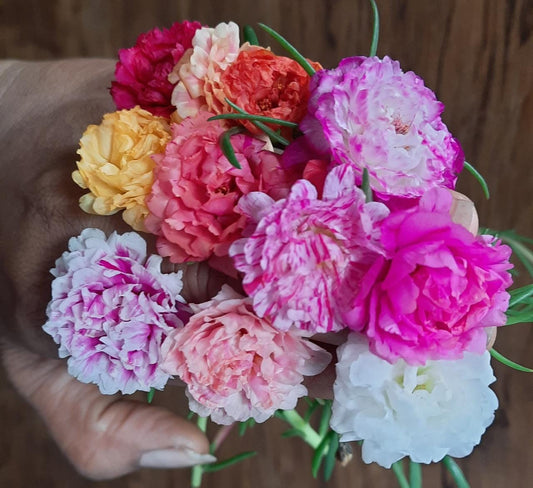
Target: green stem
397,468
375,32
198,471
415,475
308,434
456,472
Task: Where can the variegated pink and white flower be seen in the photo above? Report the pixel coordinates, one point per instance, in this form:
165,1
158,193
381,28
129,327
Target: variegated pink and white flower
307,255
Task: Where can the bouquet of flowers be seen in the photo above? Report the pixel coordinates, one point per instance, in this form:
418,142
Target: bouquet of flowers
327,196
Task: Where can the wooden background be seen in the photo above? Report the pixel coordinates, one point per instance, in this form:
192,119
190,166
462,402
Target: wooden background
477,56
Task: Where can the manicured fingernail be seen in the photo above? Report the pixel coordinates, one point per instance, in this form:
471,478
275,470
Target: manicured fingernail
174,458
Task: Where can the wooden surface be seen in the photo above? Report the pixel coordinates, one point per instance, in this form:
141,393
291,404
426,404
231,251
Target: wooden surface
477,55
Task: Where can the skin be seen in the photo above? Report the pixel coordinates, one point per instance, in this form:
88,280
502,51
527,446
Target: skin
45,107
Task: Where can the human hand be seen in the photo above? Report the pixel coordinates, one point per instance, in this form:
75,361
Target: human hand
45,109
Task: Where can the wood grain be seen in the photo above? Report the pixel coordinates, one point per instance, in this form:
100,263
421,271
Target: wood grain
477,56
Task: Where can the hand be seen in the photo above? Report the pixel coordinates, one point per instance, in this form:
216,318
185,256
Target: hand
45,109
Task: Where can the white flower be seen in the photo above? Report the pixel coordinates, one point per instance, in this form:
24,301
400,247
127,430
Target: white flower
424,412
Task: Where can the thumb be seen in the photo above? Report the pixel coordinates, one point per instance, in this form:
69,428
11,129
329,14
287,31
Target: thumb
103,436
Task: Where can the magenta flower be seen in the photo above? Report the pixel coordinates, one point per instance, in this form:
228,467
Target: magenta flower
141,74
111,309
306,256
368,113
196,189
437,288
237,366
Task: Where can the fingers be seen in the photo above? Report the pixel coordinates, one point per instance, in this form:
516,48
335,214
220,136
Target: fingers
103,436
200,281
464,212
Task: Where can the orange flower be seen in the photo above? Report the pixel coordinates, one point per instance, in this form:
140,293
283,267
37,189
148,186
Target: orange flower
116,163
265,84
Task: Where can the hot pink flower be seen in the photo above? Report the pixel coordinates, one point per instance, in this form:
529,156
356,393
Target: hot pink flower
237,366
436,290
306,255
141,74
110,311
196,189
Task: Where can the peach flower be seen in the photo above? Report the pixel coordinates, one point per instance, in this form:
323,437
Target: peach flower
116,163
199,71
237,366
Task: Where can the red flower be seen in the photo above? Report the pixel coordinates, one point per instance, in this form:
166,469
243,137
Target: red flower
141,74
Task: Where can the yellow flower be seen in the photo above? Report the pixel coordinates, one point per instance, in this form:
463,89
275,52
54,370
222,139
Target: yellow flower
116,163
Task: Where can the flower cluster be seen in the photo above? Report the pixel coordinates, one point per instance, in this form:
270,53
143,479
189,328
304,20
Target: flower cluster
330,195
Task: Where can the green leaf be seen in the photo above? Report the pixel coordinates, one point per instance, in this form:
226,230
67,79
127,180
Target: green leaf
150,395
397,469
456,472
249,35
245,425
329,462
415,474
523,253
254,118
375,30
477,175
496,355
211,468
519,295
267,130
291,50
521,318
227,148
365,186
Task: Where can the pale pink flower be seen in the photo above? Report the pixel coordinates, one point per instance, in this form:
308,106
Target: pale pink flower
111,309
437,288
237,366
368,113
195,191
306,256
198,74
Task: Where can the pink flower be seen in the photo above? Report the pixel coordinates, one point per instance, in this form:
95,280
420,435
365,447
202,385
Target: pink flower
306,256
141,74
237,366
111,309
368,113
437,288
196,189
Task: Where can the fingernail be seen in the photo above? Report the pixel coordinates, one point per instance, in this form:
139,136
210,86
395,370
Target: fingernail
174,458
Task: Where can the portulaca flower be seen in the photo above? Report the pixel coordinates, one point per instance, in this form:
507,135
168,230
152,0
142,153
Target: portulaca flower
306,256
424,412
110,310
368,113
